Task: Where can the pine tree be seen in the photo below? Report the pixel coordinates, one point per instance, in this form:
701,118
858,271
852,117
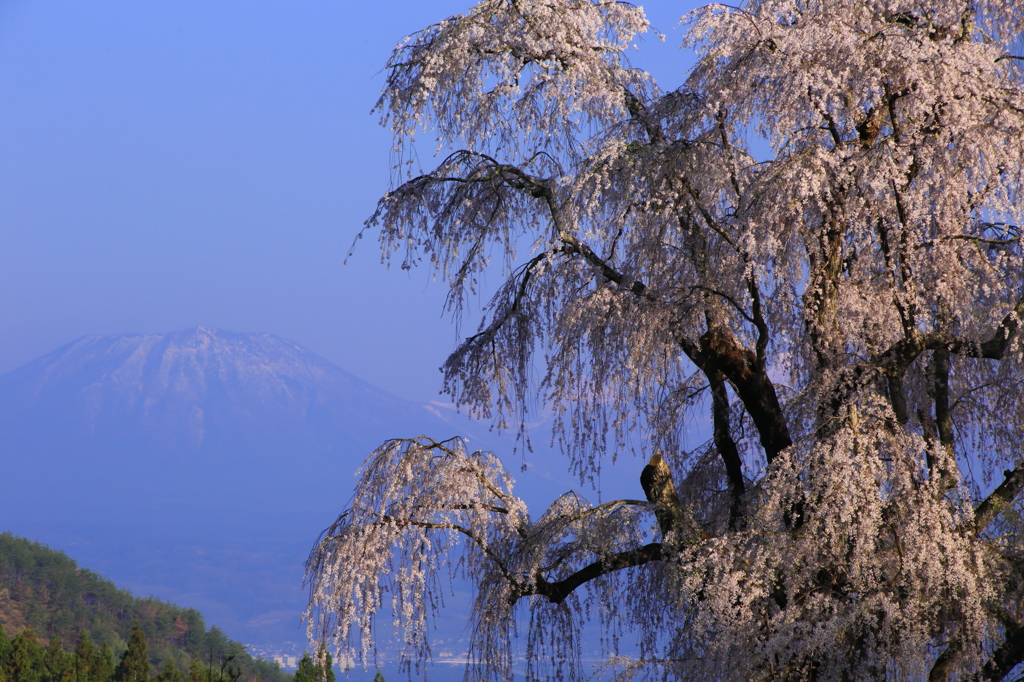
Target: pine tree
25,662
195,670
134,665
169,673
84,658
5,650
324,665
307,671
103,665
59,665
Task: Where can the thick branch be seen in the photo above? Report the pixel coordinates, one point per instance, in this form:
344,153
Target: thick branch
1006,657
995,347
759,322
943,666
826,263
556,592
636,287
898,357
639,113
943,418
719,352
999,498
897,398
726,447
943,425
906,318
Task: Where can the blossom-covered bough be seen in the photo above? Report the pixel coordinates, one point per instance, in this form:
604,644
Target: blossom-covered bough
846,313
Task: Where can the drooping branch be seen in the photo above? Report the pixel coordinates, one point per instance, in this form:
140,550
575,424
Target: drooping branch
539,188
524,274
717,353
480,542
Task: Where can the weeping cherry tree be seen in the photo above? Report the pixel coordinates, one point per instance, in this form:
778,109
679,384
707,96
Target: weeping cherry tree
843,309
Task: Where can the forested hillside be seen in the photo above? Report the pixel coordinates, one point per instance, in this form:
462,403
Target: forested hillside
46,591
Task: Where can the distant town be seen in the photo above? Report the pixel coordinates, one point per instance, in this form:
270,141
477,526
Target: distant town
285,654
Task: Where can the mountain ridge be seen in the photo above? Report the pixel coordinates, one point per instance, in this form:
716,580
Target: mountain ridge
184,387
45,590
199,466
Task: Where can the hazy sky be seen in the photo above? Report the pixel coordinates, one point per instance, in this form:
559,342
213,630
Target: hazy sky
170,164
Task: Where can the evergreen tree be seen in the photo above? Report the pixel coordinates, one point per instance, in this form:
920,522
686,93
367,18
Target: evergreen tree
84,658
103,665
57,597
324,665
307,671
228,672
195,670
379,677
134,665
169,673
58,664
25,662
5,649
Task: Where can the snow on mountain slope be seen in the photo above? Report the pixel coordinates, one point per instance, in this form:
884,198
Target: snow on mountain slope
200,390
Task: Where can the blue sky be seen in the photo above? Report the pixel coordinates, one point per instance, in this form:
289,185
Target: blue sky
171,164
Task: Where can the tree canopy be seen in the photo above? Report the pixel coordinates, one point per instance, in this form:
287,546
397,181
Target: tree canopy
845,311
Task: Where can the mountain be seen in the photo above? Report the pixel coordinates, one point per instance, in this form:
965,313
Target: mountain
197,391
199,466
197,415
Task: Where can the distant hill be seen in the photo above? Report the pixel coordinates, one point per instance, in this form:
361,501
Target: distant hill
199,465
47,591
